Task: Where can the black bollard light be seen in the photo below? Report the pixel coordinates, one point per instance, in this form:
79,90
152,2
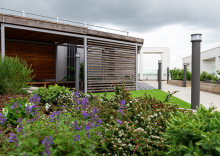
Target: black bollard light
159,73
167,74
196,39
185,64
77,71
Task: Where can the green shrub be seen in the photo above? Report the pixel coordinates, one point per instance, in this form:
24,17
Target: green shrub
68,135
194,135
204,75
14,75
178,74
16,109
81,72
54,95
142,120
218,72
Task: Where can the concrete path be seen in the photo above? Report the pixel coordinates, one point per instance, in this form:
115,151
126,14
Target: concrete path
185,94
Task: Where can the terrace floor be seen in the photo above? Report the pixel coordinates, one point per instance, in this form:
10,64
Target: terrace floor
185,93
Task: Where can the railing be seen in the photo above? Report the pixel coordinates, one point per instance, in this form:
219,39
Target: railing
64,20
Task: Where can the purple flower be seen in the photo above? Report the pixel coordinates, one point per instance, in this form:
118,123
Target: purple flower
87,126
78,102
85,101
0,132
53,114
16,111
35,98
13,138
28,109
99,121
47,144
122,102
2,119
19,120
119,122
18,129
14,106
84,113
98,133
88,134
76,126
20,105
76,138
120,111
77,93
77,108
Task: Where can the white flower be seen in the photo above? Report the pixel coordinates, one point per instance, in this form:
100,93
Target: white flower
29,104
5,111
129,145
119,141
47,106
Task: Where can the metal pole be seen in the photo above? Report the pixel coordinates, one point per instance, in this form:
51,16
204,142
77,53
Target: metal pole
167,74
136,66
185,64
195,89
77,71
159,74
2,41
85,65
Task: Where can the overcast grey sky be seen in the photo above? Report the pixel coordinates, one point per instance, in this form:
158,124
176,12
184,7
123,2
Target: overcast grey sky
161,23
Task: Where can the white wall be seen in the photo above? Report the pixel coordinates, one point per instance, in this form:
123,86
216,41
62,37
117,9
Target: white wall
209,59
62,61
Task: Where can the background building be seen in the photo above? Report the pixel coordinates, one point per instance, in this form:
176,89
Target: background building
209,61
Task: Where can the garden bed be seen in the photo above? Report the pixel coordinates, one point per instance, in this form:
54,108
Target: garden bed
206,87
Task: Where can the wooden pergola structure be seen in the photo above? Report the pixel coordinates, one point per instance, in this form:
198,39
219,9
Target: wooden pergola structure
109,58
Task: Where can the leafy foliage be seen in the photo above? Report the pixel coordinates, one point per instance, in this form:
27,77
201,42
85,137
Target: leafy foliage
178,74
194,135
81,72
54,95
14,75
206,76
120,125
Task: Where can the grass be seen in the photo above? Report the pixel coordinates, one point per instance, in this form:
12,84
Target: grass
158,94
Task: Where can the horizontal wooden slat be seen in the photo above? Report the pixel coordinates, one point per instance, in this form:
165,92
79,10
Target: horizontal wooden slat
108,63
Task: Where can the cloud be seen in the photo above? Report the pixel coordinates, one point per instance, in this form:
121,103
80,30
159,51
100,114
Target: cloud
161,23
138,15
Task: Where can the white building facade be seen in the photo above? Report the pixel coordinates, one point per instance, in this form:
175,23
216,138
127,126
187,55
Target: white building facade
209,61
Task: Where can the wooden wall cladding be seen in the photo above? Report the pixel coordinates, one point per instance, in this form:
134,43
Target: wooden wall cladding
42,57
109,63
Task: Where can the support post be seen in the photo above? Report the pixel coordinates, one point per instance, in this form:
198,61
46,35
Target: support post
2,40
136,66
141,66
167,74
159,73
85,65
195,89
77,71
185,64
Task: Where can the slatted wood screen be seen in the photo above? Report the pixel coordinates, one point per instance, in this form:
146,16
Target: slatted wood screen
109,63
42,57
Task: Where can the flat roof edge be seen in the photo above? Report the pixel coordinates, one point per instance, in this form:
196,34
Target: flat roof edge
43,24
